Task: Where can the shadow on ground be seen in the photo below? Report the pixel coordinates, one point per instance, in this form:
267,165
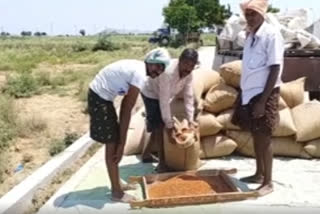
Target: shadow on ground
95,198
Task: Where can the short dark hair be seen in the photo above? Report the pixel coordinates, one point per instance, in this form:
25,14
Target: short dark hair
189,54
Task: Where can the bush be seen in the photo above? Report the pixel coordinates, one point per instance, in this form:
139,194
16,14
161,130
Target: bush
7,120
43,78
3,165
58,146
7,132
22,85
79,47
105,44
59,80
70,138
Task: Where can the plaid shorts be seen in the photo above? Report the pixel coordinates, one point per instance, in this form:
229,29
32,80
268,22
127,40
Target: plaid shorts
104,126
243,117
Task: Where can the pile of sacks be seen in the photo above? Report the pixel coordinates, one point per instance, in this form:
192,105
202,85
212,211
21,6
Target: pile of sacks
293,24
297,134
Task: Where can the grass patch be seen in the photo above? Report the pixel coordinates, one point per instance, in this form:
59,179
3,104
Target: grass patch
8,118
24,55
3,165
59,145
56,147
7,130
43,78
105,44
21,85
31,125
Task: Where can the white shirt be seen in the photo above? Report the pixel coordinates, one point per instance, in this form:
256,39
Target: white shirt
116,78
165,87
262,50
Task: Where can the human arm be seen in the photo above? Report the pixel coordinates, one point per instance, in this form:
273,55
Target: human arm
127,105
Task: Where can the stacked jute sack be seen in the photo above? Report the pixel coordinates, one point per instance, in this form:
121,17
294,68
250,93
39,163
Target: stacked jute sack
297,134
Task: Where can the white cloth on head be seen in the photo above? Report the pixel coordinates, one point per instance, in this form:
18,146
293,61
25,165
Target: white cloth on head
165,87
158,56
115,79
262,50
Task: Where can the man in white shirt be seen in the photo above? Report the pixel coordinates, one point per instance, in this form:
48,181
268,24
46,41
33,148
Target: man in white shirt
159,92
122,78
257,105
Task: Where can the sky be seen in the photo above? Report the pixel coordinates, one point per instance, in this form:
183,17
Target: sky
69,16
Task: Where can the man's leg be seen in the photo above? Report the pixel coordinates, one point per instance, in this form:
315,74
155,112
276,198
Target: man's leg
113,171
153,117
258,149
162,167
264,157
146,155
267,186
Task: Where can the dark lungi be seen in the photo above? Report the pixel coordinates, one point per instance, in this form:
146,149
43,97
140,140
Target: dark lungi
243,117
104,126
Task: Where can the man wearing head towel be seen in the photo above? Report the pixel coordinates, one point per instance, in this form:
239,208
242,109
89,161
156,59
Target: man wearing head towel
257,104
157,95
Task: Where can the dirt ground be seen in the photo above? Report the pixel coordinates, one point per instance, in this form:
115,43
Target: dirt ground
59,115
59,68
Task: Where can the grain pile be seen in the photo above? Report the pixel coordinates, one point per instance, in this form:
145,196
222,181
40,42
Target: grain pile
188,185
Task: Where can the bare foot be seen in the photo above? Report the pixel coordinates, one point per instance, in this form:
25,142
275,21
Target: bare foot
265,189
258,179
126,187
122,197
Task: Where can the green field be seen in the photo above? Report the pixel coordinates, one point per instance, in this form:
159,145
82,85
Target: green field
57,65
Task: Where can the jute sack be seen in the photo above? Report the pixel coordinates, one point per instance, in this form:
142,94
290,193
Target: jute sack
306,97
216,146
208,124
224,119
288,147
293,92
219,98
285,146
231,73
178,157
244,142
135,137
286,126
313,148
282,104
203,80
307,120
